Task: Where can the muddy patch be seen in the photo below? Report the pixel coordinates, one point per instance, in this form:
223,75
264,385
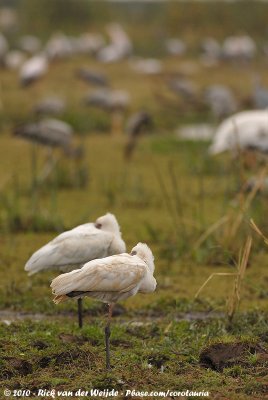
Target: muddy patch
126,344
15,367
39,345
222,355
74,356
66,357
44,362
68,338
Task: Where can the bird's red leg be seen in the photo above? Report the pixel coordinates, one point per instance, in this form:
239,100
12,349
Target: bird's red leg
107,336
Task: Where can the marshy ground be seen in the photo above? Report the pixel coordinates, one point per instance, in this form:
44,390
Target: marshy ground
172,195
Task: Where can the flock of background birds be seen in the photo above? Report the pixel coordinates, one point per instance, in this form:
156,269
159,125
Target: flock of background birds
31,60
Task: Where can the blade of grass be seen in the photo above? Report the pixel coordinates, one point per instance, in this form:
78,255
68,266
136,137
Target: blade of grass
236,294
210,277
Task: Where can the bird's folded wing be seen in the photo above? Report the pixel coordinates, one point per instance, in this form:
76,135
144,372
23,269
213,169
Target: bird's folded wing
88,228
113,274
73,249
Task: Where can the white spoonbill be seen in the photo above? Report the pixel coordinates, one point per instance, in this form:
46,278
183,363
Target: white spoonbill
244,130
72,249
109,280
33,69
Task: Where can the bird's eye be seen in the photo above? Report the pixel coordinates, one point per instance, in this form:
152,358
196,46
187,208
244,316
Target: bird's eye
98,225
133,253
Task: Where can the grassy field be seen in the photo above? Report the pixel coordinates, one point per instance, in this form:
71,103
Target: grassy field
159,336
186,205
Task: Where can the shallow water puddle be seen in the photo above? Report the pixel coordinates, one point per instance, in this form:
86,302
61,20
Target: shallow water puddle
9,316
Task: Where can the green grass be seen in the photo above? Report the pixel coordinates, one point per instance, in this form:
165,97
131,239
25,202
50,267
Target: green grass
157,355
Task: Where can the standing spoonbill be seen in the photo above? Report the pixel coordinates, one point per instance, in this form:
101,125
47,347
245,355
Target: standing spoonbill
72,249
109,280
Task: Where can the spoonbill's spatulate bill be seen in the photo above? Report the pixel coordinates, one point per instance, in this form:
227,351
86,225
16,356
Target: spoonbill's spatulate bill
109,280
72,249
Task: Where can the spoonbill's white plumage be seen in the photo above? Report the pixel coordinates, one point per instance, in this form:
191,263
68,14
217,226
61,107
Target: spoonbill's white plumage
241,47
109,280
73,248
244,130
14,59
33,69
120,46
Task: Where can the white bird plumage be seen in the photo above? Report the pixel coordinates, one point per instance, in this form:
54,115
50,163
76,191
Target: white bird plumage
109,279
73,248
33,69
247,129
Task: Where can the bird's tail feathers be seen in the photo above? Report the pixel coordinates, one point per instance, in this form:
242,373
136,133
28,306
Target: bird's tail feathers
60,299
64,283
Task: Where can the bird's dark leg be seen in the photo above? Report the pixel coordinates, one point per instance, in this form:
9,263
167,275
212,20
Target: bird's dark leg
80,312
107,336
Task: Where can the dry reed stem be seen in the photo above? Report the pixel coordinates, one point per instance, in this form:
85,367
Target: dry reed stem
258,231
210,277
238,151
234,298
236,221
211,229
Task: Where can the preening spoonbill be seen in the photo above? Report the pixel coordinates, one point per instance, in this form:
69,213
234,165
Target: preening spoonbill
109,280
72,249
